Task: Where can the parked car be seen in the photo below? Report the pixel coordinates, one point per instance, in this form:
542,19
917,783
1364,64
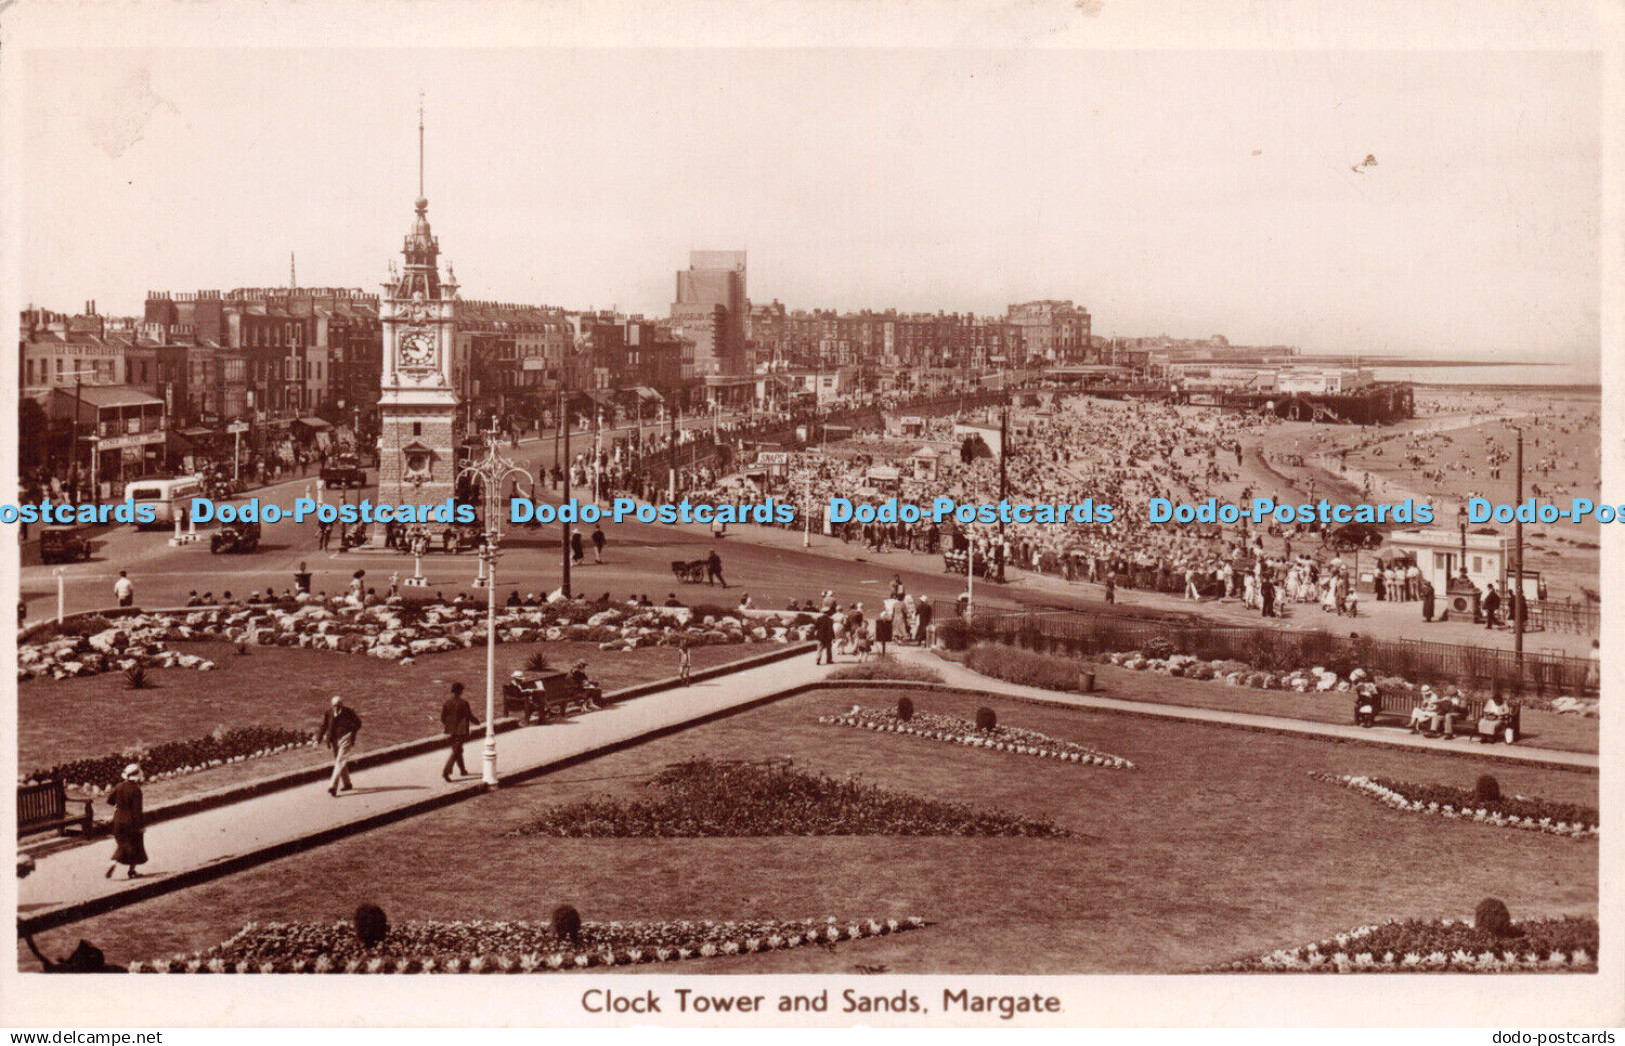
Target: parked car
236,537
63,545
344,470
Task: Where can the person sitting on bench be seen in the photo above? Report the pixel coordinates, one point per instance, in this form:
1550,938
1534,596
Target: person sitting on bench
1444,720
1426,710
584,686
1367,699
1497,714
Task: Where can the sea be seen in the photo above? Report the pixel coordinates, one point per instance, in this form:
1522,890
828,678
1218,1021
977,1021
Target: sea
1491,374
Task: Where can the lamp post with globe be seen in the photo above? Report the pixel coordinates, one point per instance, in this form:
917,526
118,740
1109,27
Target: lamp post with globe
491,472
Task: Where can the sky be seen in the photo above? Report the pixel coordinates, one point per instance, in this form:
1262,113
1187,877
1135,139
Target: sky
1181,192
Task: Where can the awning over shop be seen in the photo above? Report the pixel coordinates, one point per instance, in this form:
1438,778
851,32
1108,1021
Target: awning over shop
645,393
314,423
598,397
198,433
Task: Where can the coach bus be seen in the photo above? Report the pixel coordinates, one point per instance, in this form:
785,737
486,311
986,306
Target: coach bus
170,498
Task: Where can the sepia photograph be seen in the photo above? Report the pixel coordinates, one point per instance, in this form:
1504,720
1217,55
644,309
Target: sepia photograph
835,527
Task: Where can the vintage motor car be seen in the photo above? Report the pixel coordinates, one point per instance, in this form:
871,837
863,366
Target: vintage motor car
236,537
63,545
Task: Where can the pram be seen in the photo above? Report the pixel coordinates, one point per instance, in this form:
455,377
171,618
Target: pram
691,571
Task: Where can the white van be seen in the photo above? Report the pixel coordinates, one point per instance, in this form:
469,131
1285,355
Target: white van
169,497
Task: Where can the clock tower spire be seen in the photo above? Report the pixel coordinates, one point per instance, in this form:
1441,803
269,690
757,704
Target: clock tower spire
418,399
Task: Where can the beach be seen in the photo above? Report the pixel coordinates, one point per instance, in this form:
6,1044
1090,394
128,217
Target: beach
1461,444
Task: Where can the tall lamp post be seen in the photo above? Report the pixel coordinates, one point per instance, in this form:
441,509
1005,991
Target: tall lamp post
78,377
1004,439
1517,566
492,472
806,525
1460,588
1461,524
564,497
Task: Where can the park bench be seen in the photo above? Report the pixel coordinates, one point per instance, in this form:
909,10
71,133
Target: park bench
543,695
45,805
1398,705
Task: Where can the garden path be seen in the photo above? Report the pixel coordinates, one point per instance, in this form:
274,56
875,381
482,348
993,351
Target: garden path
69,884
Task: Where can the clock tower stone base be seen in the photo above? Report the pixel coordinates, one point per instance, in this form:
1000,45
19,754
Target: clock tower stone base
408,433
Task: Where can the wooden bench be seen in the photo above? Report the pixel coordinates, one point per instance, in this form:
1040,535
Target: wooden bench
44,806
541,696
1399,705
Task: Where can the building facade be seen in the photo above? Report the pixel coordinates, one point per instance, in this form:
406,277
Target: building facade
1053,331
712,312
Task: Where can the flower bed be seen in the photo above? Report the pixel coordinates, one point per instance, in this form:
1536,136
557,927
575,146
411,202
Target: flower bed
1540,815
176,758
1316,679
934,726
391,631
707,798
1566,945
507,947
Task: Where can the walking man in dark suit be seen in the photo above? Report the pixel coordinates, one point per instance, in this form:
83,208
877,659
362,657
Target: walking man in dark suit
458,720
338,731
824,632
1492,604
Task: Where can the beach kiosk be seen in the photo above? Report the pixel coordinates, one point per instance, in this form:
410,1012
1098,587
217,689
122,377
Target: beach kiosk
1443,554
886,479
924,462
911,425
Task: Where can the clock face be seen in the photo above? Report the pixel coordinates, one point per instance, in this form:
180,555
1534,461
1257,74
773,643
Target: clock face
417,349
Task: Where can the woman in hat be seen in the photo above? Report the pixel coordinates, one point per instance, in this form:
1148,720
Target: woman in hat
584,686
1426,710
129,824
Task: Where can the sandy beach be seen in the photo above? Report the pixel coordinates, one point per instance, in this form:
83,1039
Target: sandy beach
1460,445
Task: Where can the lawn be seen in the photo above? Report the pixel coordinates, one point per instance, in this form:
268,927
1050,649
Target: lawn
1219,846
62,719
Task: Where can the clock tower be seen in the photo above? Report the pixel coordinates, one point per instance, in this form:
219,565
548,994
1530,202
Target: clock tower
418,405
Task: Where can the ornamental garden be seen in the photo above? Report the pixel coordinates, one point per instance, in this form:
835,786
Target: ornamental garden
905,829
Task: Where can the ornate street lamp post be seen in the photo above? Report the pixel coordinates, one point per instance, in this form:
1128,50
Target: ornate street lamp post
491,472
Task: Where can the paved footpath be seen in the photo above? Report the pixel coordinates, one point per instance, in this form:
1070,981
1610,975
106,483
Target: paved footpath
69,884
